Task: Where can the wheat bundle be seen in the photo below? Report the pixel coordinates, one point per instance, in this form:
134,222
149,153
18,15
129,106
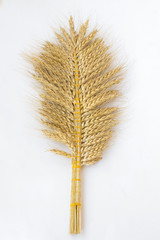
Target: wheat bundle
78,82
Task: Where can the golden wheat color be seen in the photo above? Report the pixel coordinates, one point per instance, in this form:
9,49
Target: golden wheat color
78,83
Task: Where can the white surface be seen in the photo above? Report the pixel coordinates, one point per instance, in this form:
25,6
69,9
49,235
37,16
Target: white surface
121,194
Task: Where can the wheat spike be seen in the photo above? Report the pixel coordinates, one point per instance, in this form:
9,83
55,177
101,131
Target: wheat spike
78,82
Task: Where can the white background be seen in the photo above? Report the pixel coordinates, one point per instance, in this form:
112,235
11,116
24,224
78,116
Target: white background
120,194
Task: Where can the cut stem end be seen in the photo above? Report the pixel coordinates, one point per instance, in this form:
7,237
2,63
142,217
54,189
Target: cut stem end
75,219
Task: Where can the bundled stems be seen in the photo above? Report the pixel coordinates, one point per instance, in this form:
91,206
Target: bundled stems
75,206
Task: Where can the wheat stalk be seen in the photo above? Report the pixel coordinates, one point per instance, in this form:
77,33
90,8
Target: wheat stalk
78,82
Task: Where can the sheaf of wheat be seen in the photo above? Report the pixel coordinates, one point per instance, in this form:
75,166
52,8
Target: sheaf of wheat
78,82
